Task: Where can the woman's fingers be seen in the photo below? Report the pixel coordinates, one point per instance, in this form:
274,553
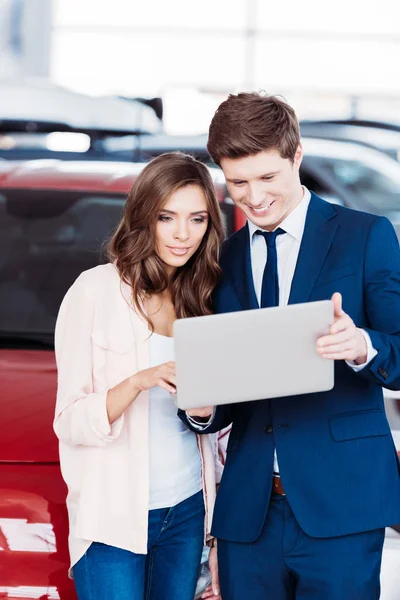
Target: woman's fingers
171,378
208,593
171,389
213,591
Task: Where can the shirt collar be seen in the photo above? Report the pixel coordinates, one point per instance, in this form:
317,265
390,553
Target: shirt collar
294,223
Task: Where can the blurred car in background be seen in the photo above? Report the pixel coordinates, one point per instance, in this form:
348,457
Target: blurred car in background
381,135
39,119
33,100
147,147
30,140
352,174
347,173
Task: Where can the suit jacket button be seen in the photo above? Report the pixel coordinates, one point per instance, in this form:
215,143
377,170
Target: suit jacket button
383,373
268,429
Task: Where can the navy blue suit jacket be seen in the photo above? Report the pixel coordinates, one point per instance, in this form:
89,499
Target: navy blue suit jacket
336,456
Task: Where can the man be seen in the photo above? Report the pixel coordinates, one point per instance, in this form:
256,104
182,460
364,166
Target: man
310,481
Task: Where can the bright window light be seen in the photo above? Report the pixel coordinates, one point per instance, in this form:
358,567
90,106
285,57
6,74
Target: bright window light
68,142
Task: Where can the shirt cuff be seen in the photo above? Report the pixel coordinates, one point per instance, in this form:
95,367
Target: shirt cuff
371,353
201,425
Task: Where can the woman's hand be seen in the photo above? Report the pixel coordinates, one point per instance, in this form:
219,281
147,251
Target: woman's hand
160,376
123,394
213,591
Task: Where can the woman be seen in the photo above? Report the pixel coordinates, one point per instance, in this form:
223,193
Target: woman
141,486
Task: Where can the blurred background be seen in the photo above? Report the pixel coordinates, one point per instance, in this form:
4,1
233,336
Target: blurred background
336,60
329,61
90,91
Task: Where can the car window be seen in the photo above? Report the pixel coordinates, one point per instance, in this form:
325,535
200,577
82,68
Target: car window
380,193
314,183
47,239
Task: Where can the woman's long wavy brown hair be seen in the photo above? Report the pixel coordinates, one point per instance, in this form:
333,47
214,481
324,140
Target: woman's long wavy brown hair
132,246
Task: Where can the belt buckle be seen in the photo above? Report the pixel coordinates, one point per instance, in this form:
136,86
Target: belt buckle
277,485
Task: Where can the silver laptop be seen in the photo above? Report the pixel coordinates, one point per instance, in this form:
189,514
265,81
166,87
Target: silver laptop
252,355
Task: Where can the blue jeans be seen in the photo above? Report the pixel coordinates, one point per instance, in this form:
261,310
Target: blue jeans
168,571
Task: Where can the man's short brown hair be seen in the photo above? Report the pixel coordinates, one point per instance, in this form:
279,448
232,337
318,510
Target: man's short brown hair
248,123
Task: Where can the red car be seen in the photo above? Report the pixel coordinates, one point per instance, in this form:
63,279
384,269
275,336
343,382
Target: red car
54,218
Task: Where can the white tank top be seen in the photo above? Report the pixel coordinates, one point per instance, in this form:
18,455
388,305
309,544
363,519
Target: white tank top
175,464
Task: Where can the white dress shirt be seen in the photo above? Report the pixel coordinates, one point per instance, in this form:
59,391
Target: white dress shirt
287,249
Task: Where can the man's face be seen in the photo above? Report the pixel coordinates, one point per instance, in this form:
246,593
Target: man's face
265,186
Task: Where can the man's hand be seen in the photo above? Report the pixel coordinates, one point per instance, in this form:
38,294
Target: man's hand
345,341
203,413
212,591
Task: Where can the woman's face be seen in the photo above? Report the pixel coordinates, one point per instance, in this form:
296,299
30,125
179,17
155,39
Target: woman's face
181,226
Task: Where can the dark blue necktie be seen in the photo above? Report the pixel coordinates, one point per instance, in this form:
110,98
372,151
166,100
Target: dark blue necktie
270,283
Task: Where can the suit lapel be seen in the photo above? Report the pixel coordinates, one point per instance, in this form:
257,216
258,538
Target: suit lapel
238,266
319,231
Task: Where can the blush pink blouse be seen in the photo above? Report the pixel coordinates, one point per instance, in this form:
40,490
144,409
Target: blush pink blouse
101,340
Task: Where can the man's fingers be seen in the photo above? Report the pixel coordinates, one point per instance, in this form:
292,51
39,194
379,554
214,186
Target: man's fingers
344,322
338,352
345,355
343,346
333,340
337,305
